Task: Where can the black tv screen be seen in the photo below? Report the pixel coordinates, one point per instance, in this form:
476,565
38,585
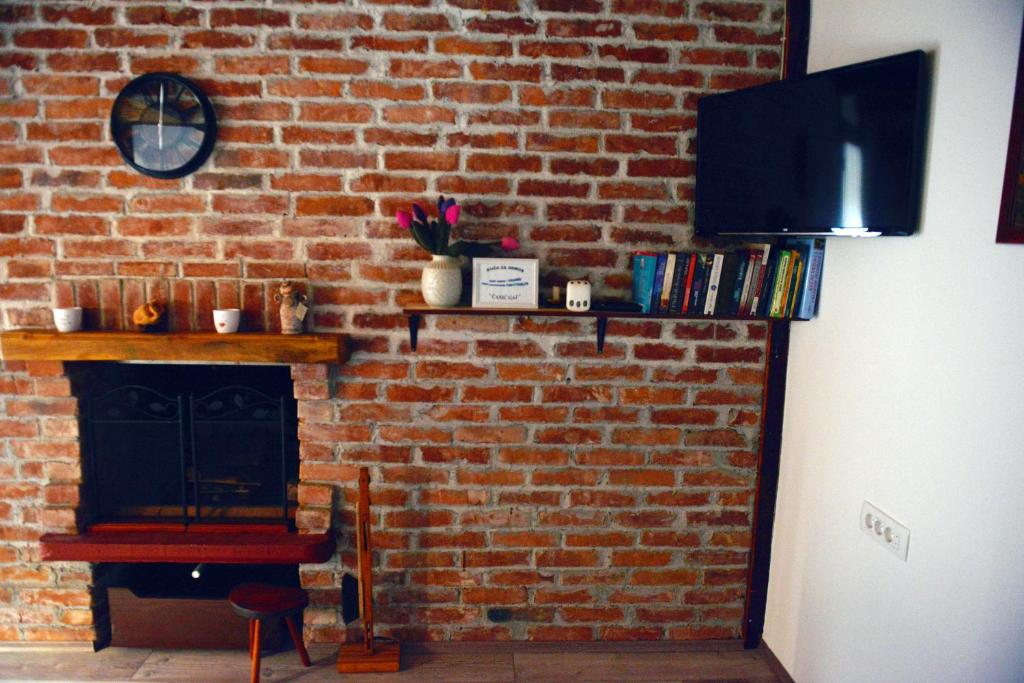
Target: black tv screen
835,152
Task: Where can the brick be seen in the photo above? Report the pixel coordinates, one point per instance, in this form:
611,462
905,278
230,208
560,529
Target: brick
564,28
567,558
503,25
118,37
456,45
51,38
666,577
472,93
675,32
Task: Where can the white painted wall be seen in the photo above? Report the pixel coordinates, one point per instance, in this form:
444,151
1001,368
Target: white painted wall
908,391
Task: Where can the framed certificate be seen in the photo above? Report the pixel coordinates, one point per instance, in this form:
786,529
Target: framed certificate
505,283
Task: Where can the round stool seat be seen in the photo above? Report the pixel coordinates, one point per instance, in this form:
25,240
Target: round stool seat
265,601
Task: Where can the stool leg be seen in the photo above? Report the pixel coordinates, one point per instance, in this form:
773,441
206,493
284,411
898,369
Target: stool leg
252,624
297,639
255,677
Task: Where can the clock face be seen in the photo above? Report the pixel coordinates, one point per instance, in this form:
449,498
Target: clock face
163,125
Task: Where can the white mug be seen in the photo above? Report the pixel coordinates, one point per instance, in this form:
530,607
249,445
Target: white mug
225,320
68,319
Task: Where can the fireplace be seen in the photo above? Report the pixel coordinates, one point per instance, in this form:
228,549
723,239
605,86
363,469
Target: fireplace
87,548
187,444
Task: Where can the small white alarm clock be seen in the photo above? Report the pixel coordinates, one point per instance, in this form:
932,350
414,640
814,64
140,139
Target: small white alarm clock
577,295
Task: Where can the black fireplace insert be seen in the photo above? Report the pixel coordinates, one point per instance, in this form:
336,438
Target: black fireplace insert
188,443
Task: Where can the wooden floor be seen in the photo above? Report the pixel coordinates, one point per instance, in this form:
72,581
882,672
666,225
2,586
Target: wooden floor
621,662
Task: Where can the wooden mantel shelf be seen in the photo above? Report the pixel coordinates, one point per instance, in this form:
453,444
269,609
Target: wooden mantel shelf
247,347
239,547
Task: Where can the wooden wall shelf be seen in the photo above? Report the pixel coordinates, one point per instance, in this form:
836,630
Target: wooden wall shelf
416,312
248,347
237,547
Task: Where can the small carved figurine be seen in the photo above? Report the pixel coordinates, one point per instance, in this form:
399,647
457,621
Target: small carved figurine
149,317
293,308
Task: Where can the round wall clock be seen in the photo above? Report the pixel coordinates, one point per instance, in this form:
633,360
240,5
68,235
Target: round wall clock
163,125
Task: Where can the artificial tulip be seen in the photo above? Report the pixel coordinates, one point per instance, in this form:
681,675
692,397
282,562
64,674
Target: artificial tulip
451,214
420,214
404,219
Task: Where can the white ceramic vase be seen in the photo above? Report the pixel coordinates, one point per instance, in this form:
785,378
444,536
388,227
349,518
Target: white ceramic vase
442,281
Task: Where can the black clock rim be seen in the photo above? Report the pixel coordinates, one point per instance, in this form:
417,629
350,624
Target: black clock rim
205,148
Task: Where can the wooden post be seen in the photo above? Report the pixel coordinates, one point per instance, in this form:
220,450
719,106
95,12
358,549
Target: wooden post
365,557
368,656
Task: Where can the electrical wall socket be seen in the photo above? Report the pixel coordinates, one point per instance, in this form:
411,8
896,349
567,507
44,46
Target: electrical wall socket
885,530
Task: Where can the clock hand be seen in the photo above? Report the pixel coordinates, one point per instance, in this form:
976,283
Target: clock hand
160,120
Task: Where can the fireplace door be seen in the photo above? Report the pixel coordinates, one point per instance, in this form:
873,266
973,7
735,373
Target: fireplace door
189,444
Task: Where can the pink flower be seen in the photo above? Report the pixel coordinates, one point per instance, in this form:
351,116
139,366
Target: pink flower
451,214
509,243
404,219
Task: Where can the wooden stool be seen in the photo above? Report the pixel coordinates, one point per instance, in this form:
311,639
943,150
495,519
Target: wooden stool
258,601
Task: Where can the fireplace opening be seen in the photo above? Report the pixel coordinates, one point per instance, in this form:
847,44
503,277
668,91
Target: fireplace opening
187,444
174,606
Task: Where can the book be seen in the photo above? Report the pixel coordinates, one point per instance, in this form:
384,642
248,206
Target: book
659,281
813,251
782,273
787,285
675,300
714,277
700,284
731,283
763,267
749,268
794,284
666,287
767,281
688,289
643,279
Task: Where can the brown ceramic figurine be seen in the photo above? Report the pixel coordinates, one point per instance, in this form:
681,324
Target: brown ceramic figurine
293,308
149,317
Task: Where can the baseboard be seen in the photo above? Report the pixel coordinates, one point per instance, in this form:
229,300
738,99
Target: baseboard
774,664
46,646
533,646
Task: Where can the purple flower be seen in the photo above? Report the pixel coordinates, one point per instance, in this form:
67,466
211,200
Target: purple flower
509,243
419,213
404,219
451,214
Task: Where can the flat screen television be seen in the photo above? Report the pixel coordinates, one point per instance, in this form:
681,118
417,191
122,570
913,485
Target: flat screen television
837,152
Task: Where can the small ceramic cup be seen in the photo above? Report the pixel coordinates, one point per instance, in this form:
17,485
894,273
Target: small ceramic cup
225,320
68,319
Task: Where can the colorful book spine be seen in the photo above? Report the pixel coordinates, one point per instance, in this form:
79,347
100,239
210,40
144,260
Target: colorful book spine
750,268
795,283
714,278
782,274
690,276
764,271
699,285
675,300
644,265
666,287
659,281
731,284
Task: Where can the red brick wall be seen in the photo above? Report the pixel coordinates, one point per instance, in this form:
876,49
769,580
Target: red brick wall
593,497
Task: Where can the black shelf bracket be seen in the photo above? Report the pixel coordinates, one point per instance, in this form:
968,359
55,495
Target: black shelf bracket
414,329
602,327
